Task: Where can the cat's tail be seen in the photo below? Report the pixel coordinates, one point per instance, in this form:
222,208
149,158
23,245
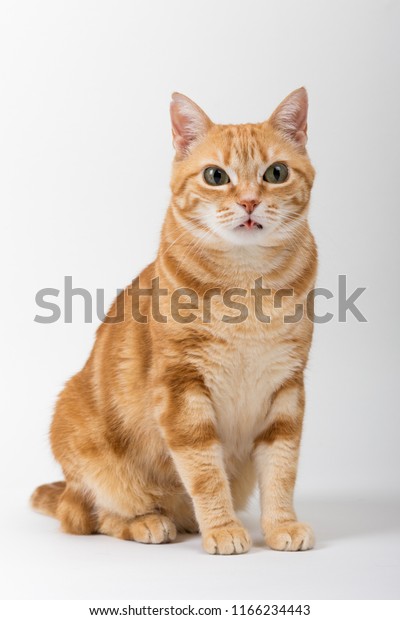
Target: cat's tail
46,497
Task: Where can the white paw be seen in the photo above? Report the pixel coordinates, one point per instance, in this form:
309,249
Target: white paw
290,536
229,540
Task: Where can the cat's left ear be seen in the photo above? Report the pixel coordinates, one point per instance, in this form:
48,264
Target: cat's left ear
290,117
189,123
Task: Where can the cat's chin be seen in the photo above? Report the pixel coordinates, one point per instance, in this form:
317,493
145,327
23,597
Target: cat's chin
244,236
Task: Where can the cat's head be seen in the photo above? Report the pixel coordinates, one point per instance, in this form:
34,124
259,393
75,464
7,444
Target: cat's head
241,184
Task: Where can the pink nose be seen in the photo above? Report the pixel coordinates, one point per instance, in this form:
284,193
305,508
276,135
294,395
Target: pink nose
249,204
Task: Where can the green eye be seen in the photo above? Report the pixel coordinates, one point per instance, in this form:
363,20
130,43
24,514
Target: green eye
215,176
276,173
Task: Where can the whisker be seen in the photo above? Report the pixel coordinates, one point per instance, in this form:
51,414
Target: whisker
186,230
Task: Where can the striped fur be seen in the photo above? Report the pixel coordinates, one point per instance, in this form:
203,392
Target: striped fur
169,424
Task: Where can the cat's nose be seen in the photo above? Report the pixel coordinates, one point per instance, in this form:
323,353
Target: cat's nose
249,204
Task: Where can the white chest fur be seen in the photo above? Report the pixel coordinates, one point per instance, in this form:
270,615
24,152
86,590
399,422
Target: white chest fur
245,375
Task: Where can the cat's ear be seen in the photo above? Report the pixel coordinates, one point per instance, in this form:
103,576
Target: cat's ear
290,117
189,123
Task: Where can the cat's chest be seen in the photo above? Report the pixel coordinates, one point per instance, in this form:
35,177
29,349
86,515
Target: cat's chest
241,378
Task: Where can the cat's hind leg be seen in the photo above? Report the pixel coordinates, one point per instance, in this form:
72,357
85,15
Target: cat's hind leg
77,515
75,512
150,528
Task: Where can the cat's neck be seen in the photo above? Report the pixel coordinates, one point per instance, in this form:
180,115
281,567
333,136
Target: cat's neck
193,256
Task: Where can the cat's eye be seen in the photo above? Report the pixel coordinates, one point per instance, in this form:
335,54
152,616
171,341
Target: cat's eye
215,176
276,173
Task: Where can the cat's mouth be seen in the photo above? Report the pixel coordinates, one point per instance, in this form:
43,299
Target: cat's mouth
250,225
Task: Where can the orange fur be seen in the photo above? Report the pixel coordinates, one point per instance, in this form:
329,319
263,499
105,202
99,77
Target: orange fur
169,423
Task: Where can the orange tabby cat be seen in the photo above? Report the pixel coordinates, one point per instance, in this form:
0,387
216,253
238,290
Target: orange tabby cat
183,402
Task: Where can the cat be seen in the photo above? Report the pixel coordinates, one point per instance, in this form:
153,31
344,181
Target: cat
182,406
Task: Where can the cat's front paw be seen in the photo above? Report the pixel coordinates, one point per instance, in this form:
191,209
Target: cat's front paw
289,536
228,540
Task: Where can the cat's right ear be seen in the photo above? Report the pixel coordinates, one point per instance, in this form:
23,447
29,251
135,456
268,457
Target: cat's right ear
189,124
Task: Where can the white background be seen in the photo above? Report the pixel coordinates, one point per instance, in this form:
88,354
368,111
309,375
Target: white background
85,154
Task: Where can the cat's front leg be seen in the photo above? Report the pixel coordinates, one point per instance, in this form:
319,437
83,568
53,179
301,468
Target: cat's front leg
276,457
188,424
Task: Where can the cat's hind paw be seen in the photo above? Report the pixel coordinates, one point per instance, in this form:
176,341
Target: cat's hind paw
152,529
290,536
229,540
